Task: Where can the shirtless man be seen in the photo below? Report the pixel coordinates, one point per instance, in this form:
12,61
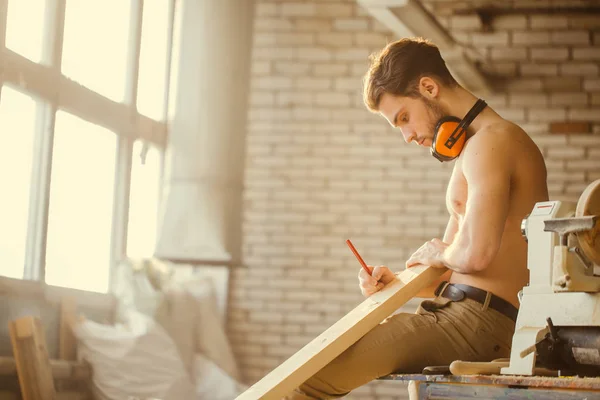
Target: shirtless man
498,177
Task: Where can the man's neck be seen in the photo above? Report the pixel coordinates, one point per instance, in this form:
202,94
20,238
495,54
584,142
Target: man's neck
458,101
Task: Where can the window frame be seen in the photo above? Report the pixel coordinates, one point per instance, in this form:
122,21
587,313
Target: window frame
45,82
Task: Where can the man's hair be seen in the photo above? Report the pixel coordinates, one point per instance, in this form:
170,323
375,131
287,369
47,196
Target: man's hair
398,67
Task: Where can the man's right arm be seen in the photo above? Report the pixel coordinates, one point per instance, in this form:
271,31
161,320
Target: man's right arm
449,234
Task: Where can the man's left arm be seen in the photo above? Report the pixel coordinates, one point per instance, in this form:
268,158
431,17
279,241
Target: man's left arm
487,167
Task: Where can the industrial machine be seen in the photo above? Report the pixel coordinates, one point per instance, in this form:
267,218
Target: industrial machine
558,326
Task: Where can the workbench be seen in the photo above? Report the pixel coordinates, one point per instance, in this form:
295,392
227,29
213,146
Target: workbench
492,387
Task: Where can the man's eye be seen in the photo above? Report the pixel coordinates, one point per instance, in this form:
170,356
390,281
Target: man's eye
404,118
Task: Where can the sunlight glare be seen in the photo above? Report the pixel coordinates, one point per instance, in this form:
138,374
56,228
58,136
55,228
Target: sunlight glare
96,41
143,202
17,125
25,27
81,205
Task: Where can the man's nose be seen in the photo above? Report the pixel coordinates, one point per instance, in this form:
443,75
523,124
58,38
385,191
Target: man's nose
408,135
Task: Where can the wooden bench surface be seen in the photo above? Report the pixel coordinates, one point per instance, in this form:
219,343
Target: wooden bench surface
563,382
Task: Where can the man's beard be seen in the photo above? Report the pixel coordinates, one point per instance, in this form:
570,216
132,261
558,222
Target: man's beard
435,113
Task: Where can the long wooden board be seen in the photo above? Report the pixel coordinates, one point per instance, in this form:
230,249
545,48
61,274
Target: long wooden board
67,342
61,369
31,356
341,335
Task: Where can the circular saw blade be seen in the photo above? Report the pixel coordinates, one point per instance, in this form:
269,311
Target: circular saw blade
589,204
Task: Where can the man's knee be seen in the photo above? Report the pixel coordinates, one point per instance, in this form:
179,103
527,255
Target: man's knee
299,394
377,353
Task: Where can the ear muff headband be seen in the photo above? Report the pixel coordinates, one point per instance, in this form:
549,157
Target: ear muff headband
448,140
466,121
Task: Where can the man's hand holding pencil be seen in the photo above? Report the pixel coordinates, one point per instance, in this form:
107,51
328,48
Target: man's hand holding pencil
380,276
371,279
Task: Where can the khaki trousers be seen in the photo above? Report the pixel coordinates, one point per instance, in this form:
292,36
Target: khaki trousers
441,331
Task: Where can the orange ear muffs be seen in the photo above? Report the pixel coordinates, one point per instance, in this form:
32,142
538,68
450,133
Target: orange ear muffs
451,134
443,147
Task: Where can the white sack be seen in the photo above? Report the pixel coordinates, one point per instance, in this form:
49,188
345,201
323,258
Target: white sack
134,359
212,383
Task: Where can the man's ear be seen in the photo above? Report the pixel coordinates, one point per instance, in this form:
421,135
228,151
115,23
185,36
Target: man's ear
428,88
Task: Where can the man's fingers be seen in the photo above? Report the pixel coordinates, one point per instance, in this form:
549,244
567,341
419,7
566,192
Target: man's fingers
369,278
362,274
416,263
367,292
372,289
369,284
376,274
365,284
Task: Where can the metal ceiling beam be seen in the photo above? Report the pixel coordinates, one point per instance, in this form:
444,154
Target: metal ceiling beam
407,18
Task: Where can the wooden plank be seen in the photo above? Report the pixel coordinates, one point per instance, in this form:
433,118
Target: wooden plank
67,343
459,367
477,368
102,302
341,335
72,370
31,355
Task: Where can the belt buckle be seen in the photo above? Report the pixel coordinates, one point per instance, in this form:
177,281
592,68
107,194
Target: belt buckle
455,294
440,287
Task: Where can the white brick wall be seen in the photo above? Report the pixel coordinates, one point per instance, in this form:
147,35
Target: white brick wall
320,168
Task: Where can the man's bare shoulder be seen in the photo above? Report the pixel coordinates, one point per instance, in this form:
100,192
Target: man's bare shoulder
492,140
500,131
507,149
499,139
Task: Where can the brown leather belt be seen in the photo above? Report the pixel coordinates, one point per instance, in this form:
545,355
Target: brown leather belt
457,292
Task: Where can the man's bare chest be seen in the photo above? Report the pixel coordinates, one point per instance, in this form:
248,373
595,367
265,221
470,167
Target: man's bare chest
456,194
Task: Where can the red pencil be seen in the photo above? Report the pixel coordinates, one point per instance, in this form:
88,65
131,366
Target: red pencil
358,257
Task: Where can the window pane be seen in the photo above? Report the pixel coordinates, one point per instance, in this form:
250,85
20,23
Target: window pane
81,203
17,127
95,45
143,201
25,27
153,58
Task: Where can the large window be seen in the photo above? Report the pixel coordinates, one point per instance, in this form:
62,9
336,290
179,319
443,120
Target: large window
17,128
68,169
81,204
95,45
143,200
